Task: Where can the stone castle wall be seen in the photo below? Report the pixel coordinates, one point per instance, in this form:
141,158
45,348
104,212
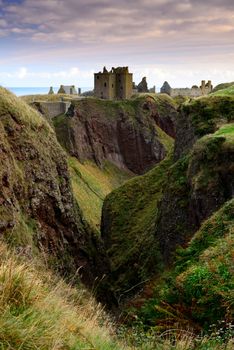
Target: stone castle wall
186,92
52,109
195,91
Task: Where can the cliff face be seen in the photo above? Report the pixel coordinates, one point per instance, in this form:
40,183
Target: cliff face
168,212
200,117
123,133
36,202
198,185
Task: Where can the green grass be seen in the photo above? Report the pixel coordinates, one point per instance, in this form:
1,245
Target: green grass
208,113
198,289
227,131
229,91
47,97
130,211
222,87
25,115
91,185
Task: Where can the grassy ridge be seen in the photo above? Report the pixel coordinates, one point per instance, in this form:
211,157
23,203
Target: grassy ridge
229,91
24,114
47,97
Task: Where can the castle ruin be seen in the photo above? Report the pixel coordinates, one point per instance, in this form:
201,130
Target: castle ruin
115,84
195,91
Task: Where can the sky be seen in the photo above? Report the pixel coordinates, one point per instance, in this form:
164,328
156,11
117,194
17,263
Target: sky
53,42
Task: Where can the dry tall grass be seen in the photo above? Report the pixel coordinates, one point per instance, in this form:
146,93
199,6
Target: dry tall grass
38,311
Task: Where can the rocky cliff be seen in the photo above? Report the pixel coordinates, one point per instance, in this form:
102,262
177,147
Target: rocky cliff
37,207
200,117
124,133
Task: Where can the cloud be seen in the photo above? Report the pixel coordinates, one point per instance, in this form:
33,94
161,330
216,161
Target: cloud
22,73
71,33
88,20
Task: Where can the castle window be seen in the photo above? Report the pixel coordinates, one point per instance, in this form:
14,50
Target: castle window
97,76
112,85
105,84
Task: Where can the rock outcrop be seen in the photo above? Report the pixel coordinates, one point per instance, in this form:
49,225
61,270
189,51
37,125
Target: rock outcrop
143,86
200,117
37,207
123,133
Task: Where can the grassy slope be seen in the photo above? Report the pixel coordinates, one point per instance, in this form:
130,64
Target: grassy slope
91,185
46,97
200,288
132,209
222,86
39,311
225,92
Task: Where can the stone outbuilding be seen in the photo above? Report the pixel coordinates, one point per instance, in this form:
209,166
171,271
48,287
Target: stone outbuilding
67,89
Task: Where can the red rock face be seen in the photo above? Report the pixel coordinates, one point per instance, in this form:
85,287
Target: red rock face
125,135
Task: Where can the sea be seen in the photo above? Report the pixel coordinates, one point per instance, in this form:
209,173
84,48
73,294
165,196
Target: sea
22,91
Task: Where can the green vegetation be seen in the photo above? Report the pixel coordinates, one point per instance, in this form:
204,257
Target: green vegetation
208,113
25,115
196,293
227,130
229,91
190,300
131,211
199,290
46,97
111,108
91,185
222,86
40,311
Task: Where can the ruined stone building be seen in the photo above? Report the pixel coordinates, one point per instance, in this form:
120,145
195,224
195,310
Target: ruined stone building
67,89
115,84
195,91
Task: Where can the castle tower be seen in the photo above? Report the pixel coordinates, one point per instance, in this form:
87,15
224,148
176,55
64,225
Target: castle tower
104,84
123,82
203,87
114,84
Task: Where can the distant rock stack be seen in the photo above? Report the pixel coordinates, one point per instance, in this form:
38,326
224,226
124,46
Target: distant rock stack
143,86
51,91
165,89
